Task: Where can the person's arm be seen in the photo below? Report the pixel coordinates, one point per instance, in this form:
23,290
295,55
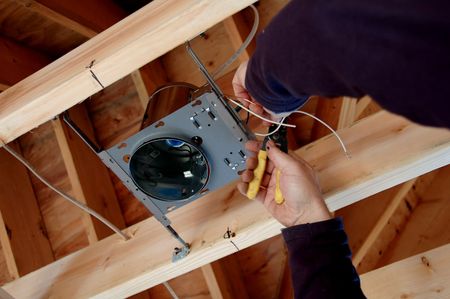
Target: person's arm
394,51
319,253
320,261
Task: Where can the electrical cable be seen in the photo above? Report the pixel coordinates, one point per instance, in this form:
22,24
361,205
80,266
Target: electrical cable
274,131
347,153
64,195
259,116
244,45
170,290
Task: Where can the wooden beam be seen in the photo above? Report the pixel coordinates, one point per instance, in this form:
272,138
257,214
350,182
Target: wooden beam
89,177
212,282
347,113
3,87
386,150
18,62
361,105
391,222
22,217
141,89
46,12
427,227
286,289
96,15
10,271
5,295
224,279
365,107
425,275
238,31
147,34
329,111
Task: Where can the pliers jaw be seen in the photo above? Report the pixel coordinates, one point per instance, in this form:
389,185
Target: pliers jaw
279,137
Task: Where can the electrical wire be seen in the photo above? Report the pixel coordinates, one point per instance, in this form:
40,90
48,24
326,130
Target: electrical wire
259,116
344,148
274,131
244,45
61,193
170,290
347,153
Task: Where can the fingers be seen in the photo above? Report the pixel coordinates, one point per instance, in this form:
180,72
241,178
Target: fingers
239,84
253,146
280,160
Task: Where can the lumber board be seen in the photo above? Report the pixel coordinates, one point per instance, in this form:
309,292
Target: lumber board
22,217
262,267
425,275
36,7
428,226
8,266
88,176
391,222
63,221
386,150
94,15
18,62
347,114
126,46
3,87
224,279
36,31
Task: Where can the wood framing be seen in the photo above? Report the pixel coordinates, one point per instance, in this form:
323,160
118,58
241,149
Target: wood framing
391,222
88,175
425,275
22,218
147,34
386,150
46,12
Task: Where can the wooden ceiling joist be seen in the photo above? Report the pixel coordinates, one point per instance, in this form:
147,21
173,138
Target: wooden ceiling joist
391,222
386,150
48,13
425,275
22,218
128,45
88,176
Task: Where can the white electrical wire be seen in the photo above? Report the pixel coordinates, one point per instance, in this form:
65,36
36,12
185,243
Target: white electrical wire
61,193
276,130
244,45
347,153
170,290
259,116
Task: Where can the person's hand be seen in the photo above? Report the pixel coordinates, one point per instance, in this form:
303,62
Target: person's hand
241,91
298,183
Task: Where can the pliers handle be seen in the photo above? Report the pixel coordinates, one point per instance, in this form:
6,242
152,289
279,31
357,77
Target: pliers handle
278,135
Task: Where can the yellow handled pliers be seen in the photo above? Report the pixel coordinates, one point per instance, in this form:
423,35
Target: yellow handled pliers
279,137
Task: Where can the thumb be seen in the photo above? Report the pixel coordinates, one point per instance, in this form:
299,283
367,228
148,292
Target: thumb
281,160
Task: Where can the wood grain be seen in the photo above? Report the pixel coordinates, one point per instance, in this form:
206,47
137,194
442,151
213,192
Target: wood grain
22,217
383,155
423,276
147,34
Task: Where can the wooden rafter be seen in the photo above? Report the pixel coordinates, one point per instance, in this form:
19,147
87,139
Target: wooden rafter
21,217
155,29
386,150
88,176
391,222
58,18
425,275
11,265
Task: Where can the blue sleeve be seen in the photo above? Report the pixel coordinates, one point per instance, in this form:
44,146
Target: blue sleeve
320,261
393,50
